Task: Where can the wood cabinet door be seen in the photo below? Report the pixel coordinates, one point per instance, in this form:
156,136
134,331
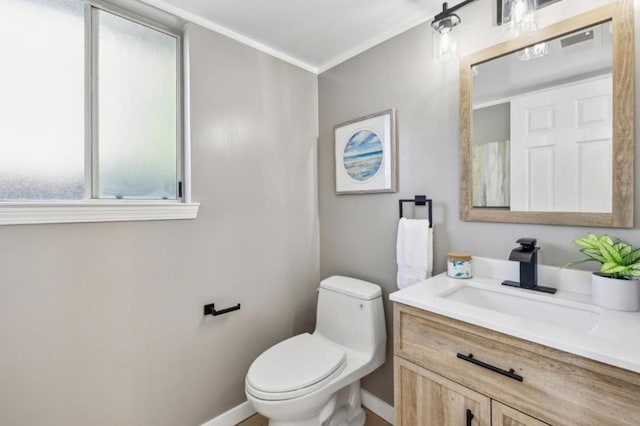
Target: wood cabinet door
507,416
424,398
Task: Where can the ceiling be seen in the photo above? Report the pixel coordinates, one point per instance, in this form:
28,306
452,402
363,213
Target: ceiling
312,34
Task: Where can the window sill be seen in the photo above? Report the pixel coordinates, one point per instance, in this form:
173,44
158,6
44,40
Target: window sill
53,212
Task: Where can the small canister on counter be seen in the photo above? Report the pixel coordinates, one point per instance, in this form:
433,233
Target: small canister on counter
459,265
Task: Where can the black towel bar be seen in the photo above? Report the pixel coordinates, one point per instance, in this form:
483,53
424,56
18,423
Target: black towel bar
211,310
419,200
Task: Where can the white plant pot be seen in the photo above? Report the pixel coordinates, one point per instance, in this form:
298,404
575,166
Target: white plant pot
618,294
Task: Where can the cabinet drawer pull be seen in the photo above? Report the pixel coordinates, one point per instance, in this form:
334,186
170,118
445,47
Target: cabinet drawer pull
510,374
469,417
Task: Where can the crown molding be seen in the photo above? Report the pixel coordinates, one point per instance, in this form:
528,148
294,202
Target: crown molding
207,23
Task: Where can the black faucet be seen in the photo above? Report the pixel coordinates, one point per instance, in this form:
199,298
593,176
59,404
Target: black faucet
527,255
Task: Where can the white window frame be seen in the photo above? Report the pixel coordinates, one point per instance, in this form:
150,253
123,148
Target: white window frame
110,210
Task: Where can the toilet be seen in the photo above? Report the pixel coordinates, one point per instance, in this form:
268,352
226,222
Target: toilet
314,379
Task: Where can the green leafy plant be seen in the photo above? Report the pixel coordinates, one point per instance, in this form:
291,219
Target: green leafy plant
619,259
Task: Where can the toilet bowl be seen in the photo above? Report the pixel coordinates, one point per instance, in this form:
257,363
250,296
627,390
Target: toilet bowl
314,379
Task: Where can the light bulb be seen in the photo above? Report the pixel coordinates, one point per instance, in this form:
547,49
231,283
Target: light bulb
519,11
518,17
448,46
445,42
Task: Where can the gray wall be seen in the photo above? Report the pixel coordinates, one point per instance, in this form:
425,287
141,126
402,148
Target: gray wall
492,124
358,231
101,324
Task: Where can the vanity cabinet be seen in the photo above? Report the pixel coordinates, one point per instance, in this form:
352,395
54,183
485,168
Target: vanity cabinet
444,367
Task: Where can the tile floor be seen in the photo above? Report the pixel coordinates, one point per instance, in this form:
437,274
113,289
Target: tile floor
372,420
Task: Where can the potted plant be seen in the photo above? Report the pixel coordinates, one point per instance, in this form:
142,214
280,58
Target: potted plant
616,286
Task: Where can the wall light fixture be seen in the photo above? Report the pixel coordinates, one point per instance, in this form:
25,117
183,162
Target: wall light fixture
516,17
445,39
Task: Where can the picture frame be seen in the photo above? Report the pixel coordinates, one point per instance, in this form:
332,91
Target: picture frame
365,154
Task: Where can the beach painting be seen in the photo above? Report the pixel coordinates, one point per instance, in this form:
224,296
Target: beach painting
365,154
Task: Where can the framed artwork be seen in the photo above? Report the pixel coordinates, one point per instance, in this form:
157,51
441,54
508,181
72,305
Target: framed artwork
365,154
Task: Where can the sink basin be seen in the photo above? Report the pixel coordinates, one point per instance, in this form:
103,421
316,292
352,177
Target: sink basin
529,308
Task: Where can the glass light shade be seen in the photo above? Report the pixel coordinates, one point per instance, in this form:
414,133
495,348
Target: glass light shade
445,45
532,52
518,17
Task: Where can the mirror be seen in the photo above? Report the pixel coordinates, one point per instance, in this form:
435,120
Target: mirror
547,124
542,134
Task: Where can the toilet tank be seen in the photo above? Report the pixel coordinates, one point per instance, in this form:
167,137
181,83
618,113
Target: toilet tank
350,313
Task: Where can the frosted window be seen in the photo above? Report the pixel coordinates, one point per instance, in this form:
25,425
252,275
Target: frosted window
137,107
41,100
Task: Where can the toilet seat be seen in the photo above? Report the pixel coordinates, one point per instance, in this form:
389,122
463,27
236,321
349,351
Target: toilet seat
295,367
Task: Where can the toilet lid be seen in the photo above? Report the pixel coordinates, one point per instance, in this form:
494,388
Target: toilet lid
295,363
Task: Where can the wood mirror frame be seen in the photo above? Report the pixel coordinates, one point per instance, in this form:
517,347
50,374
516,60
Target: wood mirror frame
620,12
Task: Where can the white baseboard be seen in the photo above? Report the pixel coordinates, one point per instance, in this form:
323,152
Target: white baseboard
245,410
378,406
233,416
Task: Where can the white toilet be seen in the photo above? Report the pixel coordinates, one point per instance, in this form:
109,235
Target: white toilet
314,379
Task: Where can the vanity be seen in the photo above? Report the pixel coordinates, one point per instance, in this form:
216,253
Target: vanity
474,352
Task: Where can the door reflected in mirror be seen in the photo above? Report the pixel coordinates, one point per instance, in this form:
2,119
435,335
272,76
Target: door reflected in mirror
542,126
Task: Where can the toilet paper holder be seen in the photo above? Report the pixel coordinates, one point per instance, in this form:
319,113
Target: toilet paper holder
211,309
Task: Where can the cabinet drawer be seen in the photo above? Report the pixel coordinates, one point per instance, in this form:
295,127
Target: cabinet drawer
556,387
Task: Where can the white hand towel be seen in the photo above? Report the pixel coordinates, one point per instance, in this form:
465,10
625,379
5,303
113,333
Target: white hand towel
414,251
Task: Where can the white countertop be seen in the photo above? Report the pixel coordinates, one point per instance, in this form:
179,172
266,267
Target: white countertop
614,340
